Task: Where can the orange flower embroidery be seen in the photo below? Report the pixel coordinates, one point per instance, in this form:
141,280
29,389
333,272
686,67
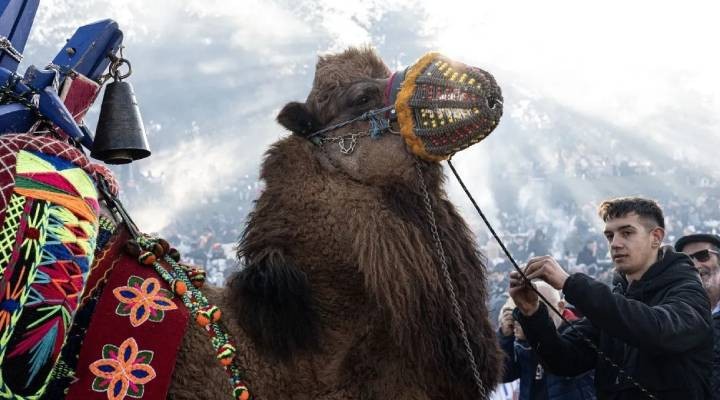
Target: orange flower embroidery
122,371
143,299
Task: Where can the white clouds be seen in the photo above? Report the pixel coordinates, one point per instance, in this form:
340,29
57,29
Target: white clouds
256,25
192,172
618,60
216,66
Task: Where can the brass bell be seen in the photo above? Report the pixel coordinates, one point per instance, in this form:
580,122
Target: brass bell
120,136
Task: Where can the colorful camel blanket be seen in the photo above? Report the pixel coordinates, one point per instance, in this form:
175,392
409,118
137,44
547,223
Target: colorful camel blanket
49,215
79,318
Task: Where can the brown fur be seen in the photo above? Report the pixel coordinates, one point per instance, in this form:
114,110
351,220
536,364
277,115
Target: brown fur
335,72
379,316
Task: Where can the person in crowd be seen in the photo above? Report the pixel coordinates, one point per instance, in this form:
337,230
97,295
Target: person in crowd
588,254
704,250
654,325
522,363
538,244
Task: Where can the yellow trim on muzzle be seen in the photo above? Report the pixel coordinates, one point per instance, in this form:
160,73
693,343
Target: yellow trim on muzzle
405,113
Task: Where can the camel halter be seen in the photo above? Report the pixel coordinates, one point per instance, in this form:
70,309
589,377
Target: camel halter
442,107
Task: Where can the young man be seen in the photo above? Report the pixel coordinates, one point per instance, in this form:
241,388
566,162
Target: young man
704,250
654,324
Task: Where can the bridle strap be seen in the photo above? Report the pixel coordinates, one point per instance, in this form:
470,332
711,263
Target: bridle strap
367,116
393,87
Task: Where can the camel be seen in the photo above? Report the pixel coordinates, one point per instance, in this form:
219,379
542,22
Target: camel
341,295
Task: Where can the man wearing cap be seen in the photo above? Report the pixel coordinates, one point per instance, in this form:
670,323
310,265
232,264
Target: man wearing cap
652,329
704,250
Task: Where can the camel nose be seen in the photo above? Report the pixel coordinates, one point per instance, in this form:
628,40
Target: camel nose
492,94
493,101
444,106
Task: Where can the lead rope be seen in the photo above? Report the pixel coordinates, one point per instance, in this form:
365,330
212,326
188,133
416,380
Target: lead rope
621,371
457,314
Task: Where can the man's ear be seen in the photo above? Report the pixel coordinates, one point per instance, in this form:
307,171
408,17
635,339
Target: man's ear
297,118
658,235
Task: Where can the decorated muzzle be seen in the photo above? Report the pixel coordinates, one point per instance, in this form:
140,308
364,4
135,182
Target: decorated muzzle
443,106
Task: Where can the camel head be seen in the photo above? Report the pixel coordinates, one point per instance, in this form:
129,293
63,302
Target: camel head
440,107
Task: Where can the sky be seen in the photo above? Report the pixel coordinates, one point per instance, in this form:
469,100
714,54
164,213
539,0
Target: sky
211,76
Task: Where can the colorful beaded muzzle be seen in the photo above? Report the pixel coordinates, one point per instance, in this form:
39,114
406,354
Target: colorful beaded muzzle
443,106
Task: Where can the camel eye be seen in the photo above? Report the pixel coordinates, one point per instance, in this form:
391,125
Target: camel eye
362,100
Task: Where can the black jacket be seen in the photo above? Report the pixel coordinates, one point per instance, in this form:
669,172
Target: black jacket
716,358
657,329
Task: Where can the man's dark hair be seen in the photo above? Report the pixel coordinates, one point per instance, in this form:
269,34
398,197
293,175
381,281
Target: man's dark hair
621,206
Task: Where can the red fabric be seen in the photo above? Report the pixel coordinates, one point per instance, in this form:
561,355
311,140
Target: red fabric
163,338
79,94
104,263
569,315
388,88
101,170
53,179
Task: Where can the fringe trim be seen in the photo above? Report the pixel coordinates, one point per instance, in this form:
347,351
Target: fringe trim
405,113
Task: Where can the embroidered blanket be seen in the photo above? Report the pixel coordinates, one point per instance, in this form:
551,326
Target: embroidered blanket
49,217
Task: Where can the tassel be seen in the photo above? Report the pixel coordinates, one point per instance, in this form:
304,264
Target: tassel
197,277
241,392
174,254
147,258
207,315
178,287
226,354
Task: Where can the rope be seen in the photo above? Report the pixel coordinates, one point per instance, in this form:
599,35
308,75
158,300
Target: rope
7,46
371,115
621,371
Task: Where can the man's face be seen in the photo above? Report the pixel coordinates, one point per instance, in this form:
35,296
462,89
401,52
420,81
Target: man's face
633,245
705,258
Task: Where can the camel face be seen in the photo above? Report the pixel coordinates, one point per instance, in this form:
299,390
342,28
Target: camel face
346,86
354,151
442,107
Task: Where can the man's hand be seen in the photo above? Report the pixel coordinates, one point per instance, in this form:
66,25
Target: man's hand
507,323
548,270
525,298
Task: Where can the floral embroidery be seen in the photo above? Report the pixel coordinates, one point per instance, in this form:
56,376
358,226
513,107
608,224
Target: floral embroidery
122,371
143,299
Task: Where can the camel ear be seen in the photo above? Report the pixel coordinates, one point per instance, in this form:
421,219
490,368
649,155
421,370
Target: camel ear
275,308
297,118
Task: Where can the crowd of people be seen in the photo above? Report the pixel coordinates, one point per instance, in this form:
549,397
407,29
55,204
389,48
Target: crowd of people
655,333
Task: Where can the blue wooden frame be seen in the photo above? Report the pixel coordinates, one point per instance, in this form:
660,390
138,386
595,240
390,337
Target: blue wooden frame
33,96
